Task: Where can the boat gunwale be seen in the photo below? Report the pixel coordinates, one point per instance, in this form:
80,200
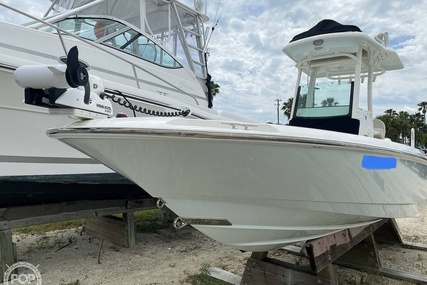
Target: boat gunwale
241,136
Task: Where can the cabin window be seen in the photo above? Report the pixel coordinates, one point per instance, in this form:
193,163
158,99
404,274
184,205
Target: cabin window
91,28
119,36
324,99
135,43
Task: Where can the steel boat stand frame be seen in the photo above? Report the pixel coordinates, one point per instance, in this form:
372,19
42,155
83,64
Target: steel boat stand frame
354,248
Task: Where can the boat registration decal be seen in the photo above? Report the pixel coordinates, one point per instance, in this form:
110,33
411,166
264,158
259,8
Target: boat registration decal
378,162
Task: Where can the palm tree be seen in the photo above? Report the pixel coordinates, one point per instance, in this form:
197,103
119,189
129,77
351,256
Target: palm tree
403,125
302,101
423,109
215,88
287,107
329,102
390,112
398,125
416,121
391,124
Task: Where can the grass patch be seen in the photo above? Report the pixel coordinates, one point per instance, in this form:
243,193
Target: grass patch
145,221
42,229
148,221
204,277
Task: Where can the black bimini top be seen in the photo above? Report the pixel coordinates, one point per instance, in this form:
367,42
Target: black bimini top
326,27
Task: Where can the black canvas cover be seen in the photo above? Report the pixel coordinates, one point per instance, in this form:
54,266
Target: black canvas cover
343,124
326,27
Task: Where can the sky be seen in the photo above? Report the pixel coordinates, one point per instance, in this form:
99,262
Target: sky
247,61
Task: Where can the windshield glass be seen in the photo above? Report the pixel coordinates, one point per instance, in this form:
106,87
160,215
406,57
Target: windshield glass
324,99
91,29
118,36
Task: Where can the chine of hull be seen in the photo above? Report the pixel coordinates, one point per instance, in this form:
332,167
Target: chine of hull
272,192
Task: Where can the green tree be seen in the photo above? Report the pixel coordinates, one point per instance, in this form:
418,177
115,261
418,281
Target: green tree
391,124
287,107
390,112
416,121
403,125
423,109
302,101
215,88
329,102
399,124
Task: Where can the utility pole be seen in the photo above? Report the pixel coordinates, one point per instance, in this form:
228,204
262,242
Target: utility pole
278,108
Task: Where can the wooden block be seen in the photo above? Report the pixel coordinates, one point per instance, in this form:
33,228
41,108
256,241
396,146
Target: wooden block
292,249
364,255
225,276
402,275
325,250
129,219
258,272
7,251
110,228
259,255
328,273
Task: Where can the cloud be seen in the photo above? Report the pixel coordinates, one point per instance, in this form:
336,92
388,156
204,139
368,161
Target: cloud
34,8
260,72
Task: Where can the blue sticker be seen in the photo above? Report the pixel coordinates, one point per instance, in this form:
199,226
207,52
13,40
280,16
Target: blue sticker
378,162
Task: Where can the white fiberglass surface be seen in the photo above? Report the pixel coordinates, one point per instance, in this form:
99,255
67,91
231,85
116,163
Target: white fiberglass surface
233,168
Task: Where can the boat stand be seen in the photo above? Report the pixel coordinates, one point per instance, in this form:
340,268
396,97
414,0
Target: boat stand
355,248
97,214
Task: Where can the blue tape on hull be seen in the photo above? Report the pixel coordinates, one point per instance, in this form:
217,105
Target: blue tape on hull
378,162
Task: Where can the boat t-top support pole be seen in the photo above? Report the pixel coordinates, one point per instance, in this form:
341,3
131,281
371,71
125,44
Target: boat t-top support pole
142,19
296,91
370,81
357,77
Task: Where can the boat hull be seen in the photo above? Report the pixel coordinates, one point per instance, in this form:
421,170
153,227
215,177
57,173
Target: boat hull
25,149
275,185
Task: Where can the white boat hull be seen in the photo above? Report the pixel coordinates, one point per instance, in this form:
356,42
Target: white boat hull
25,150
275,185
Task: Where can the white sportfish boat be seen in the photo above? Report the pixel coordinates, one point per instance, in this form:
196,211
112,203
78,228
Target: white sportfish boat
150,54
257,187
